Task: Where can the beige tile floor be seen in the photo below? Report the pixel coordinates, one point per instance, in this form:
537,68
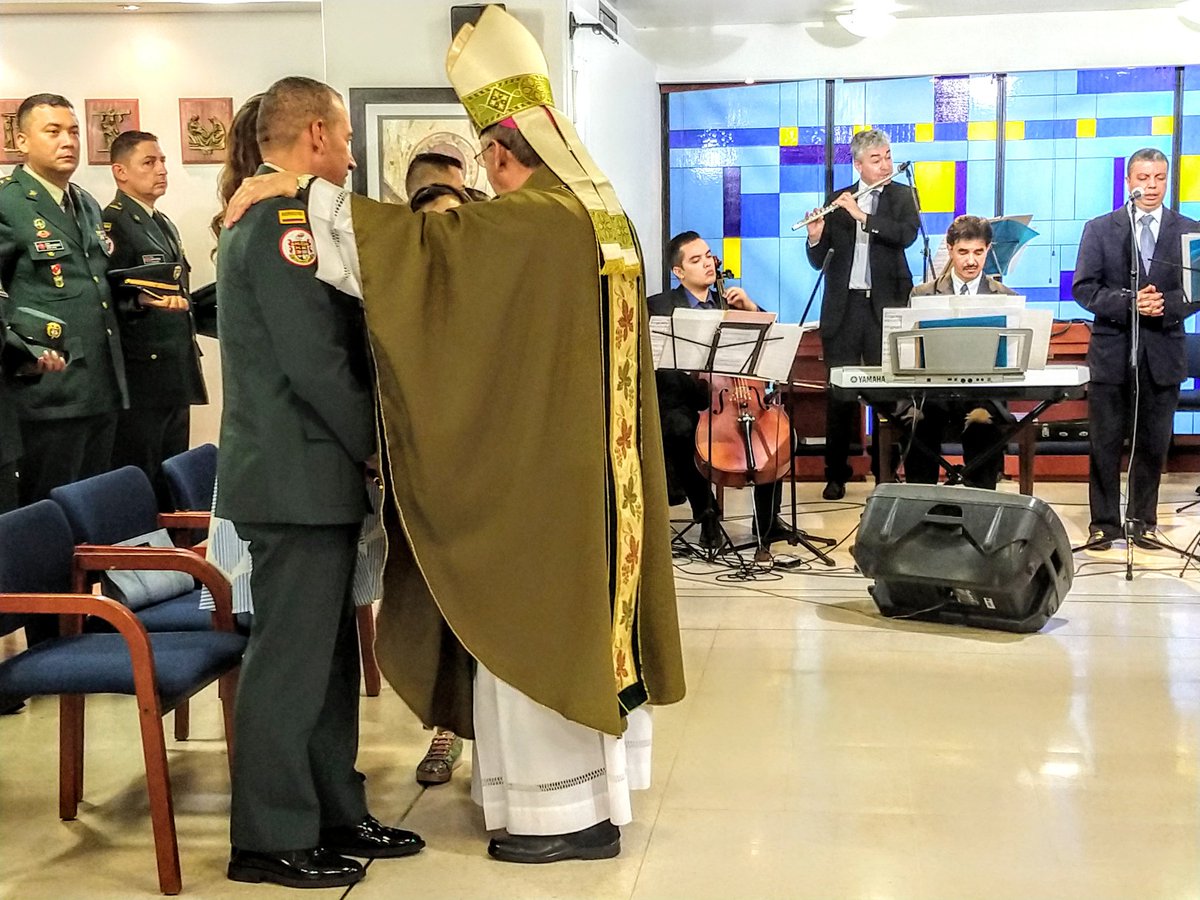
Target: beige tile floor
822,752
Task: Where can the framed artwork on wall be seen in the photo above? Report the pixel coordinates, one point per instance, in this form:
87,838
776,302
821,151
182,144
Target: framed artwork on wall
105,119
8,121
392,125
204,129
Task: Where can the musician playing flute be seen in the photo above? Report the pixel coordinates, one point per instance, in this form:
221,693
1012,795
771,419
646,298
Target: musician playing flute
867,273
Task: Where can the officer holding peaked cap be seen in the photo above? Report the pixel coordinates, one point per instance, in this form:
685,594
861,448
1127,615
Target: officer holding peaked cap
30,344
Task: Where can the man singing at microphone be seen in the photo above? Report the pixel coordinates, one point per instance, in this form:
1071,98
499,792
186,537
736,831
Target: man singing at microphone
1117,405
866,274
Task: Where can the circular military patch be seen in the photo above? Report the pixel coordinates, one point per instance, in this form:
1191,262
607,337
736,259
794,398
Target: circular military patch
296,246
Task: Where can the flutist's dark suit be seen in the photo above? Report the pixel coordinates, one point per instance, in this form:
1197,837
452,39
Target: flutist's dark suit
1102,285
851,320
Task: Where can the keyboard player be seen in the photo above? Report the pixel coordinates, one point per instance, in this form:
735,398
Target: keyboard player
969,239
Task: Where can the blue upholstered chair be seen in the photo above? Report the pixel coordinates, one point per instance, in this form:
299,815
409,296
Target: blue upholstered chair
39,568
190,477
119,507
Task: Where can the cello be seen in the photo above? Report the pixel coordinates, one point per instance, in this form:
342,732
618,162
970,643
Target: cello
742,438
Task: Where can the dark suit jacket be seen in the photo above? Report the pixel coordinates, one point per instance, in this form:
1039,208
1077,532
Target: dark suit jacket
676,390
944,284
1102,285
893,227
162,361
59,266
298,419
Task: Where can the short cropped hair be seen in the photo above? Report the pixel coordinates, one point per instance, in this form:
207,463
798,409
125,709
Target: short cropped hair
126,142
516,144
289,106
676,245
969,228
30,103
1146,154
865,140
425,167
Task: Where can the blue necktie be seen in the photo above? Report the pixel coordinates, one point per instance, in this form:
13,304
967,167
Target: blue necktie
1146,241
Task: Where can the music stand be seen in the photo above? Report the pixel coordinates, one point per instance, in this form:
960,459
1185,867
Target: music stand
723,342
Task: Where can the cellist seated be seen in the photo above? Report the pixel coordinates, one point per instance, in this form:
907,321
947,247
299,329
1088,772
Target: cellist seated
681,397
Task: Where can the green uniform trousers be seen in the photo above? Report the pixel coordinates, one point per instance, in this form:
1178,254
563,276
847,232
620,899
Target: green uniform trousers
296,720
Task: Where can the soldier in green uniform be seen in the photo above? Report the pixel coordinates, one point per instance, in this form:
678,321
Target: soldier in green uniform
54,258
297,428
162,361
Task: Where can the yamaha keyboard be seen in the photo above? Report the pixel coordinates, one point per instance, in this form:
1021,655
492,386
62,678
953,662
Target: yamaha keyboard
871,383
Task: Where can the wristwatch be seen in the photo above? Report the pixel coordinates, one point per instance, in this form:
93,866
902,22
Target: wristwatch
302,183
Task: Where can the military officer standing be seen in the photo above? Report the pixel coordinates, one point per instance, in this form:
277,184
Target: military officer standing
54,259
162,361
297,427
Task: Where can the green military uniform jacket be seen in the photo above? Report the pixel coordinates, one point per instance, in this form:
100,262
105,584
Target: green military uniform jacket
10,425
162,361
298,419
58,266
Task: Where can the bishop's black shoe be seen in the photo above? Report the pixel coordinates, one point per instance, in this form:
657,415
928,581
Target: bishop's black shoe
314,868
601,841
370,839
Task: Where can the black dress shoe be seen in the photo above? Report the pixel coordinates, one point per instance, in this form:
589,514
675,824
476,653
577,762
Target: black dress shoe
834,490
601,841
315,868
372,839
1146,539
710,531
1097,540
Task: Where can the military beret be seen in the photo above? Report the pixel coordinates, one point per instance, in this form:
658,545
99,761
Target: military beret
159,280
34,332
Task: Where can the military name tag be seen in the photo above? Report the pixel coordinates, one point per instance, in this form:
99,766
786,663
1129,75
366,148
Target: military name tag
148,258
48,246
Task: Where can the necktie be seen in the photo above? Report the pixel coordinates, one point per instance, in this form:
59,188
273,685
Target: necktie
1146,241
67,206
965,289
160,220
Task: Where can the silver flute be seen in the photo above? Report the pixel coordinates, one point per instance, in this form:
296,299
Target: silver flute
826,210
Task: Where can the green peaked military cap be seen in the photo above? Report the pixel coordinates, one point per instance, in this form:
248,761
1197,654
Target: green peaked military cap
34,331
159,280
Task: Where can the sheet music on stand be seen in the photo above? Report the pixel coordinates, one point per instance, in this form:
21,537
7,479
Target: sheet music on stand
725,342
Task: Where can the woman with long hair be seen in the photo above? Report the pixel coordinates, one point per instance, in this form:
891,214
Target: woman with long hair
242,157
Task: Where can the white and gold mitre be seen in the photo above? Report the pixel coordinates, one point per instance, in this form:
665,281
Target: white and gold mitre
499,72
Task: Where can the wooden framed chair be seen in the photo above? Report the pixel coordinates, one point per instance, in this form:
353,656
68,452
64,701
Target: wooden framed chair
191,479
40,571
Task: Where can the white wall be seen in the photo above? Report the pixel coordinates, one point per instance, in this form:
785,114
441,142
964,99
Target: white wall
617,113
158,59
942,46
403,43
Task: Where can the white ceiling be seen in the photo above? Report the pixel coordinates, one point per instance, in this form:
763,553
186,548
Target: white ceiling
668,13
75,7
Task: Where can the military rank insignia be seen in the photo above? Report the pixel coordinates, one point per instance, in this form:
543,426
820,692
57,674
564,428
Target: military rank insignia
296,246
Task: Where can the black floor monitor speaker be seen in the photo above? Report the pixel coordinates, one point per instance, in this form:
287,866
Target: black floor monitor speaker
964,556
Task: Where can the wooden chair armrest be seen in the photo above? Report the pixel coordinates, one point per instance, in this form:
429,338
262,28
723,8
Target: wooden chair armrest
184,520
101,558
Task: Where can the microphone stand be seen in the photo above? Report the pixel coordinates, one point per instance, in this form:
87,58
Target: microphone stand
797,536
926,256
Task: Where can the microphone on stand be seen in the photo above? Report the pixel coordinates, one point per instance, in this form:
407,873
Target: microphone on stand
1135,194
